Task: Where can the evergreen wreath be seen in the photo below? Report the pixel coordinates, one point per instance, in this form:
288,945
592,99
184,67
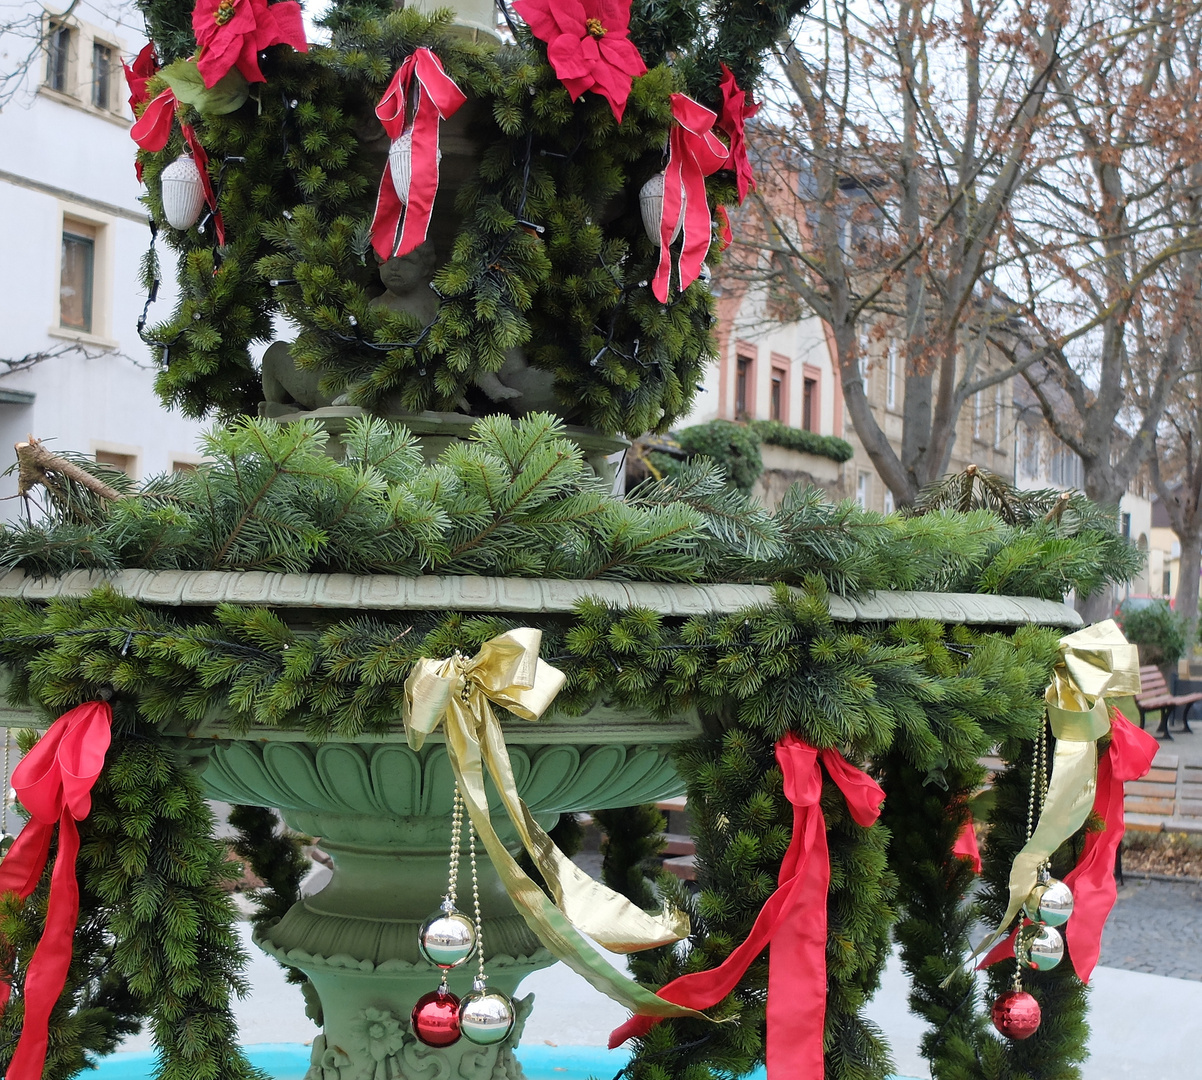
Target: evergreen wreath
551,252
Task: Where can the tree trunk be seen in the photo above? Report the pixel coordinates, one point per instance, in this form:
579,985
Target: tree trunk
1189,567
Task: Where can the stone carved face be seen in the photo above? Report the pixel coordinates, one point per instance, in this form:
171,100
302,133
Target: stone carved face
410,271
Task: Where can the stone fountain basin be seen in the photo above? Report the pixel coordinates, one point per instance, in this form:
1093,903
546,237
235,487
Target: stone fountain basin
383,810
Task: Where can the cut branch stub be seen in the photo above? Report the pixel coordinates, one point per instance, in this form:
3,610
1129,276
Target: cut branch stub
35,464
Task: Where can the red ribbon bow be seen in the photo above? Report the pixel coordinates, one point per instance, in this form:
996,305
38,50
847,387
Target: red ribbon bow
1128,757
694,152
54,783
437,98
793,921
152,130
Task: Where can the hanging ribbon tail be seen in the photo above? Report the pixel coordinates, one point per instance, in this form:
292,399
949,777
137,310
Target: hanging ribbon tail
54,783
457,693
793,921
694,152
1128,757
438,98
703,154
387,218
153,128
47,972
206,184
966,846
1093,662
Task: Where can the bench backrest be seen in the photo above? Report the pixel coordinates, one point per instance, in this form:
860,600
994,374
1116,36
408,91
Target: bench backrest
1151,682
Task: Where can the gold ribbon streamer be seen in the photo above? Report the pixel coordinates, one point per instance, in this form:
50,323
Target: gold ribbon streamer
1094,662
457,693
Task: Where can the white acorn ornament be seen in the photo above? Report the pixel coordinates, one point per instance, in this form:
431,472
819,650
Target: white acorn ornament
485,1016
182,193
651,205
400,163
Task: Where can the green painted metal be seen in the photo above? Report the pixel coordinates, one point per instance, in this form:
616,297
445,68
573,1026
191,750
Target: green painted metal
383,813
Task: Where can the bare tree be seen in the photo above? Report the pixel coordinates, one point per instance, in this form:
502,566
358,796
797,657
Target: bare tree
1175,463
1105,234
901,133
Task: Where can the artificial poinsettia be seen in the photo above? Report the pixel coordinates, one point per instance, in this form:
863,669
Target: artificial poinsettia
588,45
732,120
139,74
232,33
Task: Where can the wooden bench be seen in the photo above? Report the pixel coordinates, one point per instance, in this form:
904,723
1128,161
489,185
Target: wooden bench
679,845
1154,696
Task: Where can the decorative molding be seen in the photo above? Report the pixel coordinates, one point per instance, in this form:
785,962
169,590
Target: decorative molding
381,1047
383,592
390,781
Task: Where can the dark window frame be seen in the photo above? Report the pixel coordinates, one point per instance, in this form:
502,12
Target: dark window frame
58,57
86,244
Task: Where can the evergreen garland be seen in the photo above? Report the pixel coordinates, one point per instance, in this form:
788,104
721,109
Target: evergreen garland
922,698
518,498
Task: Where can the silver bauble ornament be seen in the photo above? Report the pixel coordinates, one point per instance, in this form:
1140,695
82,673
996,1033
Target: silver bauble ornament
485,1016
447,938
1039,948
183,193
400,163
6,841
651,205
1050,903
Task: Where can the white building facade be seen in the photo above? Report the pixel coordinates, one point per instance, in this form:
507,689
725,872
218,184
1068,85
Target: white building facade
73,370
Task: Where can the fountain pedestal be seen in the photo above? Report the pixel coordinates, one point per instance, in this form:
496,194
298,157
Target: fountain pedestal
383,813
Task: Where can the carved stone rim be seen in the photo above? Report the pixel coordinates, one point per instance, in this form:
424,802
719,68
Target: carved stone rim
385,592
345,962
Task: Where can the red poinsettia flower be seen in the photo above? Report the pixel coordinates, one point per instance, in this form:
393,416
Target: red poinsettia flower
732,119
232,33
138,75
588,45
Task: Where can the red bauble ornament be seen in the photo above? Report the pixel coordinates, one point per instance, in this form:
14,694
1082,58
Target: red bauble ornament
1016,1014
436,1018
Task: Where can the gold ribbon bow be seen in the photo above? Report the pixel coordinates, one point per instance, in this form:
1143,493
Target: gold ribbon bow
458,693
1094,663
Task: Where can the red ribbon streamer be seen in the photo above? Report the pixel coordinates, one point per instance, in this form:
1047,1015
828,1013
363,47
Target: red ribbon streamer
202,166
54,782
793,921
437,98
966,846
1128,757
694,152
